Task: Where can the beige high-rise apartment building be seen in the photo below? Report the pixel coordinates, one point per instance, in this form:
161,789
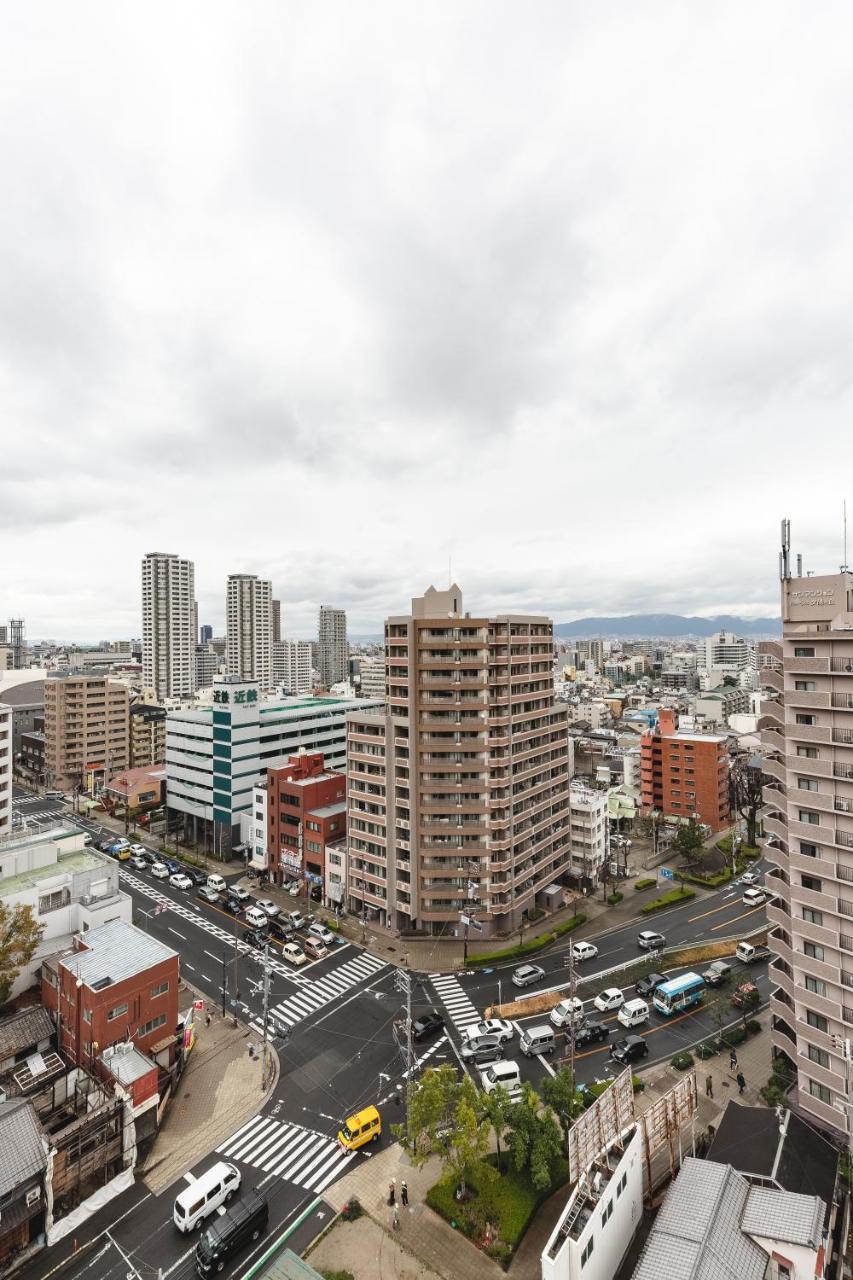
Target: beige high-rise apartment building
6,718
248,625
807,731
169,625
86,729
458,792
333,651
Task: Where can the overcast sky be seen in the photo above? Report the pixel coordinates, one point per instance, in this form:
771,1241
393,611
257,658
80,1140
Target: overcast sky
333,293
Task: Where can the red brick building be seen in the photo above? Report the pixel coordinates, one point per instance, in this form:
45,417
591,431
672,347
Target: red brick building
118,984
685,773
306,810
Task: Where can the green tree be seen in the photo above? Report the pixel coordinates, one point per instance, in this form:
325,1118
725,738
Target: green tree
689,841
561,1095
496,1108
535,1139
746,782
445,1119
20,934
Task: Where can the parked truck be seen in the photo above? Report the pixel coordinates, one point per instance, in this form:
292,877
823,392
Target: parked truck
748,954
717,973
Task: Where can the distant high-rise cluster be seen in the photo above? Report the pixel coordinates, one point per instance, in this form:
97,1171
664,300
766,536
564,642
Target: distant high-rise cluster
333,649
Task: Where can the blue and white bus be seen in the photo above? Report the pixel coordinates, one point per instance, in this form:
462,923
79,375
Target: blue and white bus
679,993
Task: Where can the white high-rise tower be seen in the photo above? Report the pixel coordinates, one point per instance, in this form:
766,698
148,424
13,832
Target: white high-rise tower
168,625
333,655
248,615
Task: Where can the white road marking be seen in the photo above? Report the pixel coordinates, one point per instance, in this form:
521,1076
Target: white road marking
178,935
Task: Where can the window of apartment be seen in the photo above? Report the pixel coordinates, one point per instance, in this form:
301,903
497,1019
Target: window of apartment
803,717
676,804
53,901
159,990
87,1015
820,1056
808,815
812,917
313,826
623,1182
148,1027
803,651
608,1210
817,1020
813,950
820,1091
811,882
676,791
805,686
816,985
808,753
807,784
118,1012
586,1253
314,847
810,850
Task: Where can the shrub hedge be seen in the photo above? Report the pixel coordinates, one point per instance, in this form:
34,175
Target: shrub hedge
668,900
646,883
706,1050
681,1061
528,948
614,898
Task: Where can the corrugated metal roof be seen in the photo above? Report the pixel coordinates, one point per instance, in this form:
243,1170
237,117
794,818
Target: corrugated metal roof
784,1215
21,1144
115,951
126,1063
24,1029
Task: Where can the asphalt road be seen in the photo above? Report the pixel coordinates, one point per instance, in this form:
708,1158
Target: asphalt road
342,1048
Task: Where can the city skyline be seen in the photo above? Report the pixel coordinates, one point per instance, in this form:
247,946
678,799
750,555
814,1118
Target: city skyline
594,352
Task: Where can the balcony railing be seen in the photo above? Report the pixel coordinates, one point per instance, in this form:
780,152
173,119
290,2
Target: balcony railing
843,700
844,736
843,666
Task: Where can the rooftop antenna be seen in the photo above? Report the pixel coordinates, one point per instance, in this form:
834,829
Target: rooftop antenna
799,565
785,553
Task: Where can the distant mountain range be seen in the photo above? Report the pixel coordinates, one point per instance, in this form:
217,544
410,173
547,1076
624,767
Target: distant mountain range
636,625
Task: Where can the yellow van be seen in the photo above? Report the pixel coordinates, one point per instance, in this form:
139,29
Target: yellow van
363,1127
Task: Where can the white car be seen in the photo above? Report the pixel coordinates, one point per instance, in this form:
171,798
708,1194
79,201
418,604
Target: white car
754,897
139,862
293,889
240,894
750,877
490,1027
267,905
160,871
526,974
648,940
138,849
568,1012
320,931
294,954
612,998
180,881
584,951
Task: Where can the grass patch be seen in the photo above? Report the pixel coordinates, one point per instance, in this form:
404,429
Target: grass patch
645,884
707,882
508,1203
529,948
668,900
337,1275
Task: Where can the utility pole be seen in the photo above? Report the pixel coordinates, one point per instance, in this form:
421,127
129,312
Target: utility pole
265,1059
224,981
403,983
569,962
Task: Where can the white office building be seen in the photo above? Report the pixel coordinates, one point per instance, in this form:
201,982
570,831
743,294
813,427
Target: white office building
248,640
371,670
292,666
216,754
168,625
588,809
333,649
6,715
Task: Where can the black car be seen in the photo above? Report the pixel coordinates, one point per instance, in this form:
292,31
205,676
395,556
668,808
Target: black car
281,929
591,1033
243,1221
648,986
427,1024
197,877
232,905
631,1049
256,938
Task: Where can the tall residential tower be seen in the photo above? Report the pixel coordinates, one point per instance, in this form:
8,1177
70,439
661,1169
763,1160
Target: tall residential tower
248,620
168,625
333,657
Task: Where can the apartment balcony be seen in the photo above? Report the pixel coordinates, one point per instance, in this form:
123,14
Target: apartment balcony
775,769
809,733
808,700
813,832
810,866
772,739
808,666
771,678
778,914
782,949
815,801
778,827
841,666
842,701
785,983
844,737
844,839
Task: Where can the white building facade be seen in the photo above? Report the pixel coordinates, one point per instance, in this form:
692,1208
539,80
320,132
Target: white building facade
588,809
248,629
6,715
168,625
292,666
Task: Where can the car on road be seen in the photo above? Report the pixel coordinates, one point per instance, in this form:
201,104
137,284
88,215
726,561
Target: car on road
754,897
104,845
180,881
267,905
256,938
292,953
293,888
121,852
751,877
499,1027
717,973
87,841
297,919
314,948
526,974
648,940
256,918
568,1012
240,894
648,985
610,998
209,895
138,850
590,1033
631,1049
139,862
160,871
320,931
175,868
281,929
427,1024
232,905
197,877
482,1049
584,951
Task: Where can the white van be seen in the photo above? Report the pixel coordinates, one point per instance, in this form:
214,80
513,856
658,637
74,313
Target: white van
216,883
256,918
204,1196
633,1013
506,1074
534,1040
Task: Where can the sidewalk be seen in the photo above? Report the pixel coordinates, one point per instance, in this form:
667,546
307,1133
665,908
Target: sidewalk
220,1089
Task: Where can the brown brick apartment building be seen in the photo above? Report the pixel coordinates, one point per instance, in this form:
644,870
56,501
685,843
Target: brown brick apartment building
86,728
458,793
306,810
118,984
685,773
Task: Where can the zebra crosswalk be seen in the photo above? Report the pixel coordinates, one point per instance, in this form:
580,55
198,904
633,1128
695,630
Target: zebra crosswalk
459,1007
287,1151
321,992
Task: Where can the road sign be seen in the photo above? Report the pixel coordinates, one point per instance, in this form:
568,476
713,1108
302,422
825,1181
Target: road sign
466,920
665,873
198,1004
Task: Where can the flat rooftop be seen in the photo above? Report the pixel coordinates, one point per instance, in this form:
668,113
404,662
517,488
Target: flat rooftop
84,860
